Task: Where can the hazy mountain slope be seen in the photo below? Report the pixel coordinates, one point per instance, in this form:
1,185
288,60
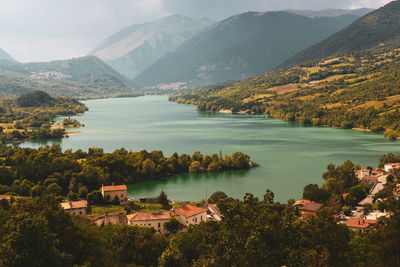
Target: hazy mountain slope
86,77
5,55
241,46
379,26
331,12
135,48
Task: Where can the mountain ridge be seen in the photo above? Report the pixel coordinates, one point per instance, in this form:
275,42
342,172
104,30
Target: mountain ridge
136,47
240,46
375,28
5,56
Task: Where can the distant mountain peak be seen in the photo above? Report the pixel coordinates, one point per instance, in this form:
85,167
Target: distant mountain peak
136,47
5,55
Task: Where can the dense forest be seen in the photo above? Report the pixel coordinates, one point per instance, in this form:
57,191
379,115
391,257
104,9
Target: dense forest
358,90
36,172
31,115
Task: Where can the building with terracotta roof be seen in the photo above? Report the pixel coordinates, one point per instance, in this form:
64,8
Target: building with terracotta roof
189,214
151,219
110,192
360,225
75,207
362,173
370,180
390,166
310,209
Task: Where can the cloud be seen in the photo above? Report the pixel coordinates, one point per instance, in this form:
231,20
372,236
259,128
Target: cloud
54,29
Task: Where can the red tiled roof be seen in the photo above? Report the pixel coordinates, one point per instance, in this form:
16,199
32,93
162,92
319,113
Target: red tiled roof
74,205
345,195
302,202
311,206
114,188
149,216
360,223
189,210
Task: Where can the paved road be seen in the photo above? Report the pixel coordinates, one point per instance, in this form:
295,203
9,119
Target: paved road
378,187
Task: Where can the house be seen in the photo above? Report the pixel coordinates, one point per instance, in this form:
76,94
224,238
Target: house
301,203
377,173
110,192
370,180
390,166
310,209
189,214
362,173
359,224
75,207
151,219
186,215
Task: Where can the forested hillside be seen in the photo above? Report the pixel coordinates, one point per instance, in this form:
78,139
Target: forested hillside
381,26
359,90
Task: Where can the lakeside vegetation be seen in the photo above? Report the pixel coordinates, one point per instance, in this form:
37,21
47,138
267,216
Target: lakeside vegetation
31,115
35,172
253,232
359,90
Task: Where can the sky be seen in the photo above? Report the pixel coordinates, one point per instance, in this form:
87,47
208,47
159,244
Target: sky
45,30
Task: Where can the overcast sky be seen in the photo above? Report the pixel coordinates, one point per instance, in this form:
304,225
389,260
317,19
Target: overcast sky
44,30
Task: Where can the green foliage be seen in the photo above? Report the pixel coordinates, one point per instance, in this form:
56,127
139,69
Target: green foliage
356,90
163,200
49,169
217,196
172,226
314,193
30,116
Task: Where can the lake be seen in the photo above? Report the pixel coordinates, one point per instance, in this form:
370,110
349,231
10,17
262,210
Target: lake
291,156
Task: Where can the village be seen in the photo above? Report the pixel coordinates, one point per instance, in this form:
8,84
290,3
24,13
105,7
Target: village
360,218
149,212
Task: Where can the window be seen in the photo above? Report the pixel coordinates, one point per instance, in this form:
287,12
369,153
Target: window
149,224
80,212
122,195
201,218
159,225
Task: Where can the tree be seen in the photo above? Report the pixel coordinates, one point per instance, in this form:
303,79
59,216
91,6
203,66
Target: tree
172,226
54,189
217,196
269,197
83,191
195,166
314,193
163,200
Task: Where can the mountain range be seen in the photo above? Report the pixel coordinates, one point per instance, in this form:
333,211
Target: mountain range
379,27
244,45
5,55
135,48
85,77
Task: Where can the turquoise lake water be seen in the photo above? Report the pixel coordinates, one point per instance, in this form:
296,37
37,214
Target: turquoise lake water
291,156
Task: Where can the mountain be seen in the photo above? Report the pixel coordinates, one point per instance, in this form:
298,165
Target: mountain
331,12
85,77
379,27
5,55
358,90
133,49
241,46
